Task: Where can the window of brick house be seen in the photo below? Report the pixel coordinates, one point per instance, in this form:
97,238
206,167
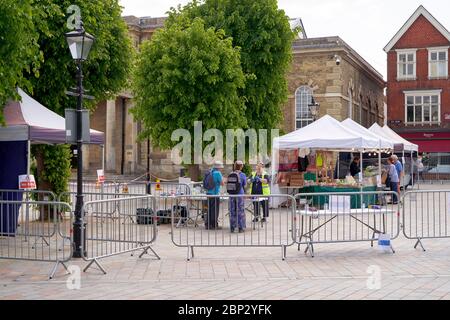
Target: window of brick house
406,65
422,107
303,116
438,63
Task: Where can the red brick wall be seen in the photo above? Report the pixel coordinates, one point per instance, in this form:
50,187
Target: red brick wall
421,35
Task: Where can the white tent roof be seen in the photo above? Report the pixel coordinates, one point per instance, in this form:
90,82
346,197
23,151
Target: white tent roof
388,133
326,134
376,129
384,143
408,146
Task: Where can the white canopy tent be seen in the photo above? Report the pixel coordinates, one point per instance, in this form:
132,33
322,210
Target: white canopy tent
326,134
384,143
376,129
408,146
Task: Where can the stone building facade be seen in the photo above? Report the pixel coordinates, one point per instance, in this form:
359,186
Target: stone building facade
338,78
352,88
123,154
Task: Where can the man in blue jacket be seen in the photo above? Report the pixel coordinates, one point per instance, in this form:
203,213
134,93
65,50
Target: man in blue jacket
214,202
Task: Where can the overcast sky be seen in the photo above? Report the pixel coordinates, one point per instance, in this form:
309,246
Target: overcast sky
366,25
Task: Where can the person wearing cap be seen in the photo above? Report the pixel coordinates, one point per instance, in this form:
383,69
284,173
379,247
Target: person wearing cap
237,210
214,202
260,181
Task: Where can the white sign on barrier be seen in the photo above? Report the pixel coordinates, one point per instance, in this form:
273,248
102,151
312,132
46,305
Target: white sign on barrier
340,203
27,182
100,176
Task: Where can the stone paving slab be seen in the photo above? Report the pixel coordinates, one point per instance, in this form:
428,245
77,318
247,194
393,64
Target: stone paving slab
338,271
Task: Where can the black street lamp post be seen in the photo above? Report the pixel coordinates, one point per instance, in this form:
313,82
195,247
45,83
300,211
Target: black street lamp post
80,43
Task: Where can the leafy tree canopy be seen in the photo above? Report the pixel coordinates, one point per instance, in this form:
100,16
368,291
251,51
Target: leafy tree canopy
263,33
109,63
19,50
188,73
34,55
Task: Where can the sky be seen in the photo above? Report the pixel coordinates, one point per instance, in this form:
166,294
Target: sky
366,25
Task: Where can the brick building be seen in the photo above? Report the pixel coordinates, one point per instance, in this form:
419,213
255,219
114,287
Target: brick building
418,86
352,88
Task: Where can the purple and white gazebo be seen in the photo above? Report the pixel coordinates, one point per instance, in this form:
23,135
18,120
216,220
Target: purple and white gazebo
28,120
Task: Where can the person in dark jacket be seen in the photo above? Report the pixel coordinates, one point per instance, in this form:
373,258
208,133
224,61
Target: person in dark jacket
354,167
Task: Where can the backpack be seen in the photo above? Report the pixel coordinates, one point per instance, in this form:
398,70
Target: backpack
208,181
234,183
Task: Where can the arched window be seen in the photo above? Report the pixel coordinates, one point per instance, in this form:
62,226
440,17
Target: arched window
303,116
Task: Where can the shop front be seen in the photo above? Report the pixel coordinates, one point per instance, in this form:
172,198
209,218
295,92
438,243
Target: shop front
435,148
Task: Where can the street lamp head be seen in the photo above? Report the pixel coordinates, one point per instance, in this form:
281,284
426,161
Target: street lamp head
80,43
314,108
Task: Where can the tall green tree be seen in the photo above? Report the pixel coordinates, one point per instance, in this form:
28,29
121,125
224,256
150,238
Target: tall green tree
19,49
106,71
263,33
187,73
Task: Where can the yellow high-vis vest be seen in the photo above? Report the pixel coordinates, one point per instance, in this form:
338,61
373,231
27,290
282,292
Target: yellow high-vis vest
265,186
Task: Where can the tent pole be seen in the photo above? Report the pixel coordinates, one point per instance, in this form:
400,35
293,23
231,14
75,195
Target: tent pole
412,170
362,177
338,165
379,161
402,182
103,158
28,157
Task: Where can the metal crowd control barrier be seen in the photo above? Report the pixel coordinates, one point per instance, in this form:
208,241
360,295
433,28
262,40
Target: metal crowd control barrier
105,208
40,234
215,221
132,229
95,187
426,215
28,214
345,217
156,188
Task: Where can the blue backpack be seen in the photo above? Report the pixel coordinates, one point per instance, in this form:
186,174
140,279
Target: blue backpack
208,181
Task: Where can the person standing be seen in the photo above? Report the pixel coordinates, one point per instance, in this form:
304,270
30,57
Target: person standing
394,179
420,167
260,186
212,182
236,183
354,166
399,167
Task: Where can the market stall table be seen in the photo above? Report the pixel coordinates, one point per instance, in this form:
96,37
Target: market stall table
356,200
330,215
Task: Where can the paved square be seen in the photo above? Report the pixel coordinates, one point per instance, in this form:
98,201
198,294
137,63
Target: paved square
338,271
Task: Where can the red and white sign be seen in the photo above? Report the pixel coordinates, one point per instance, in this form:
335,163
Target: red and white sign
100,176
27,182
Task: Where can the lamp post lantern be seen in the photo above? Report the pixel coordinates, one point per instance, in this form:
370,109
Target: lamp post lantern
314,108
80,43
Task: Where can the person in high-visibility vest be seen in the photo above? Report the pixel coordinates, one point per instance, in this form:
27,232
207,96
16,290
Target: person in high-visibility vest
260,180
